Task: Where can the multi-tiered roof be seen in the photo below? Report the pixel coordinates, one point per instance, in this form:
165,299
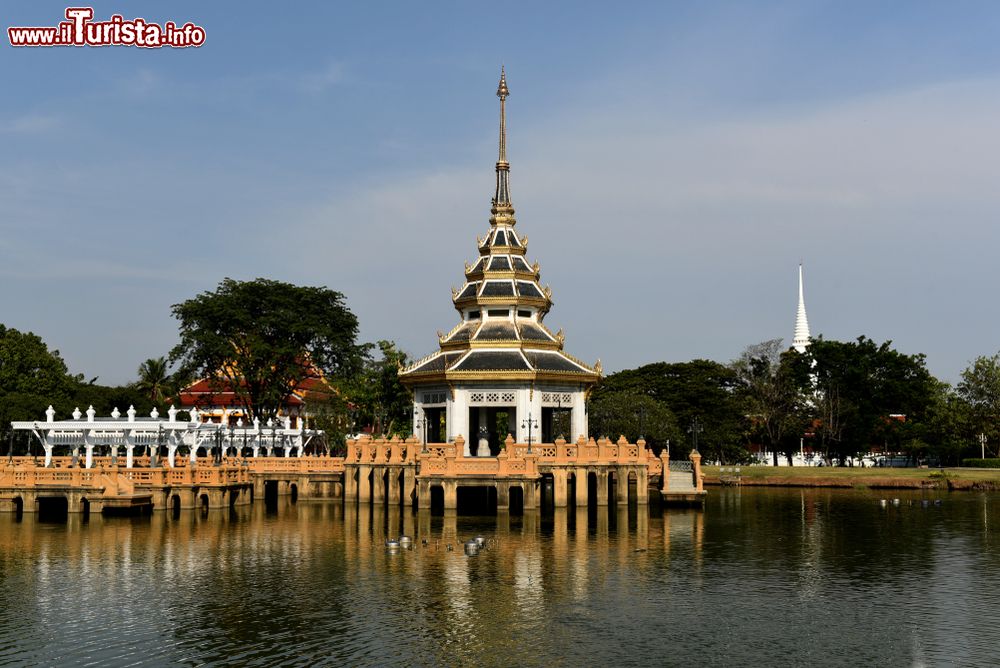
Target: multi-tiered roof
502,305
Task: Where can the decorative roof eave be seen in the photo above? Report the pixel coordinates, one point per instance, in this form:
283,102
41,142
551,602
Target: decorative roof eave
540,302
511,343
516,274
495,343
502,250
443,339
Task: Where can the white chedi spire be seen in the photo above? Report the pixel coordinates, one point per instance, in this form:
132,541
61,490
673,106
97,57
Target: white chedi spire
800,339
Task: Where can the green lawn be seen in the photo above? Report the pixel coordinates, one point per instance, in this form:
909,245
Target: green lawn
855,472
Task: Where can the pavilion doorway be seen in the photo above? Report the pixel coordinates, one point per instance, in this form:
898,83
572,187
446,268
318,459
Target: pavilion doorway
493,424
556,422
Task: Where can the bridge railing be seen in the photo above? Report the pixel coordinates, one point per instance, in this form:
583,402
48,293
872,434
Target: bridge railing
516,459
367,450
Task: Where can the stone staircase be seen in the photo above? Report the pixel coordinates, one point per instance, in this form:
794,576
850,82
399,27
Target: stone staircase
681,481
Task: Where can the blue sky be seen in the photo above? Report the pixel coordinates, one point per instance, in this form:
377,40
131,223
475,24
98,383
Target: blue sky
671,164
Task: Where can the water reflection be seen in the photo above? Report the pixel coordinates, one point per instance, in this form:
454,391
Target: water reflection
824,577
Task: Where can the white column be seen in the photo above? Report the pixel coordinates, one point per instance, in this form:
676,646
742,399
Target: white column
48,443
129,448
579,417
458,418
88,443
171,448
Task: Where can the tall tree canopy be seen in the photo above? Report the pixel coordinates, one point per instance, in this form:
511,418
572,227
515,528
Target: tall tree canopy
632,415
31,378
154,379
773,389
378,398
859,387
980,388
263,339
700,389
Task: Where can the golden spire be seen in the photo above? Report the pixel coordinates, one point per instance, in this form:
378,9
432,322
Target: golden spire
502,93
501,200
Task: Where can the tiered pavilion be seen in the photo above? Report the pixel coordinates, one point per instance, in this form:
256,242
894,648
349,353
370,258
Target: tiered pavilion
500,407
500,371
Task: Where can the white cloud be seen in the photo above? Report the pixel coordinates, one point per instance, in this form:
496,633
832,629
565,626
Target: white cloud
320,81
672,243
29,124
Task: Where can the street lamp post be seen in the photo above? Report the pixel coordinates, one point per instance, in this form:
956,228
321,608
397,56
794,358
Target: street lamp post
641,414
159,443
694,430
529,422
218,446
421,421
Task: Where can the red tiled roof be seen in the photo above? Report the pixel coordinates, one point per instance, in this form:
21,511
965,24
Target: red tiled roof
217,392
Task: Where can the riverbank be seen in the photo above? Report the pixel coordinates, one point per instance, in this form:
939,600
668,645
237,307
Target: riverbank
874,478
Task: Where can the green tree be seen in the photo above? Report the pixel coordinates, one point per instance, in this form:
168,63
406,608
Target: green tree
154,379
633,415
946,430
31,378
377,398
700,389
865,394
773,391
263,339
980,388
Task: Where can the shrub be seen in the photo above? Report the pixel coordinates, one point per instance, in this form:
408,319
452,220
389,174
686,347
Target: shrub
982,463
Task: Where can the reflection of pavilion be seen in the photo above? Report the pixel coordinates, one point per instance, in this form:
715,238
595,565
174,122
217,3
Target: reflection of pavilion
500,371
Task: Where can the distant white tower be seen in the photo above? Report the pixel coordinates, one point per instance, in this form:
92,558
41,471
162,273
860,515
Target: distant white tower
800,340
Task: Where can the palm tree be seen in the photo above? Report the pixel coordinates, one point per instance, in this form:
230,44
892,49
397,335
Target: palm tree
154,381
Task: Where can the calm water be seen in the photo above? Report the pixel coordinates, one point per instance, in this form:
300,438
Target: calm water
815,577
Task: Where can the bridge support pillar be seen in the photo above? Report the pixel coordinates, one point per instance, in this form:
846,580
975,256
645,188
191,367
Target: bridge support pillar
642,485
451,495
559,488
602,488
581,488
503,495
350,484
621,486
378,484
410,486
394,493
364,484
423,493
532,490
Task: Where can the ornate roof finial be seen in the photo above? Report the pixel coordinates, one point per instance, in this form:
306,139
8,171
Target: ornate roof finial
501,201
800,337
